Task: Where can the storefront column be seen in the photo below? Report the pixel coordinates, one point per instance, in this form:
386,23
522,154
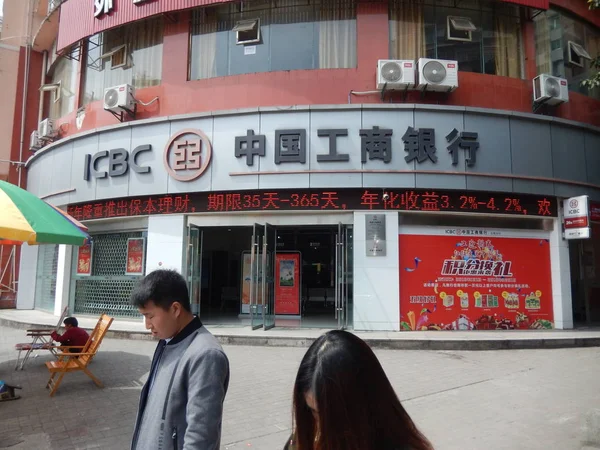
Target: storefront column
63,278
561,277
27,277
376,278
166,243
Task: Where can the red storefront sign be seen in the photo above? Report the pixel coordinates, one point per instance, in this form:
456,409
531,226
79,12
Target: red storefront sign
474,282
84,260
135,256
576,222
319,200
287,283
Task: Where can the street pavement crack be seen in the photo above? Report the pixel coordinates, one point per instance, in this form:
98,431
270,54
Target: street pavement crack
446,390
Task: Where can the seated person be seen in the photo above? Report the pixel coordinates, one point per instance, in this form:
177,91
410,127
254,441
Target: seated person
73,335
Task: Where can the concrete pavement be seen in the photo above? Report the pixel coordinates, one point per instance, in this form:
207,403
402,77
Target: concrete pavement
515,399
302,337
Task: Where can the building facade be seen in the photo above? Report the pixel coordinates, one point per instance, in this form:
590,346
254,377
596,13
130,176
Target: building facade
324,163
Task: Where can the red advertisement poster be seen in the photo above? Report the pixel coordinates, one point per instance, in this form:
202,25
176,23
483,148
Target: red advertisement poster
135,256
287,283
84,260
474,282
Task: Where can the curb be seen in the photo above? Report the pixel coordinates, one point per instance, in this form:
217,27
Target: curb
378,343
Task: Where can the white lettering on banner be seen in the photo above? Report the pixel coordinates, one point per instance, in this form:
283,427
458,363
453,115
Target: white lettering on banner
102,7
477,267
423,299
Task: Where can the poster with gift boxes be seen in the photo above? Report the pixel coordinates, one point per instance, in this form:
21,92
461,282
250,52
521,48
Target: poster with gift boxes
474,282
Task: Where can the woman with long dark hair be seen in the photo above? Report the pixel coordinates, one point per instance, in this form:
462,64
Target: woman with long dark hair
343,400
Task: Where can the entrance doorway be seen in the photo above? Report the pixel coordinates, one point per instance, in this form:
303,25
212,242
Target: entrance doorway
264,276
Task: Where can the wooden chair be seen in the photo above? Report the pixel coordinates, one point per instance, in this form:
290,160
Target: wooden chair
40,340
75,362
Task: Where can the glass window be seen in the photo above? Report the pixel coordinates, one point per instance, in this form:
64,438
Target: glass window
292,35
484,37
562,45
130,54
62,101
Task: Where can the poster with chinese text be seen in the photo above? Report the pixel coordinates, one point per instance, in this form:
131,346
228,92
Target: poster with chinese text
84,260
474,282
135,256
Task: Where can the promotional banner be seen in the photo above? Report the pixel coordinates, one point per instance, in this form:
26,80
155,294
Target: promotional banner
84,260
474,282
135,256
287,283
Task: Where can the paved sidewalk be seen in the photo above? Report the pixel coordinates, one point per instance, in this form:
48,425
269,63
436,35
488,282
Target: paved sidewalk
515,399
302,337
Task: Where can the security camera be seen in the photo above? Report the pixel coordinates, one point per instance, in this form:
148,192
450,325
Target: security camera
386,196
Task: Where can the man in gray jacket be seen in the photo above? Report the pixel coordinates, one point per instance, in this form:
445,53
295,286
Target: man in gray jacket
181,405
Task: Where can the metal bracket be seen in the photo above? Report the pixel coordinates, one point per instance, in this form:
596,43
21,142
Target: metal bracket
536,106
404,94
121,115
383,93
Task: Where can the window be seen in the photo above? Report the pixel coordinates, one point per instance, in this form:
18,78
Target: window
577,54
459,28
269,35
247,31
483,36
564,46
62,100
130,54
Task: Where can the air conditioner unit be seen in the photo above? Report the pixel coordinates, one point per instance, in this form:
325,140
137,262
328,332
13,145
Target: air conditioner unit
119,98
437,75
395,74
46,129
34,141
550,90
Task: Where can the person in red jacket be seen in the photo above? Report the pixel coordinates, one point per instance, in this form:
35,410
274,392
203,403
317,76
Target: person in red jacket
73,335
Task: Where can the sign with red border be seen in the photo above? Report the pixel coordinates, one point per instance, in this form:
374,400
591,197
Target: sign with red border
135,256
84,260
474,282
287,283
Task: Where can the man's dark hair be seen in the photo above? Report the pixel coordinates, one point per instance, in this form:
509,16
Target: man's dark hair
71,321
163,288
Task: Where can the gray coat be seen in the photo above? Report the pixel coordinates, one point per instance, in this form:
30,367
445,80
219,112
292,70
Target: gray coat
181,407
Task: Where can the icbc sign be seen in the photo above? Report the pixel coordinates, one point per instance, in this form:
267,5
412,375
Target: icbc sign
187,155
576,217
119,162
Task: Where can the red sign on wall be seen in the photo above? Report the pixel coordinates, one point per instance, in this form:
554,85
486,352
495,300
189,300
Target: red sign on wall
287,283
84,260
474,282
135,256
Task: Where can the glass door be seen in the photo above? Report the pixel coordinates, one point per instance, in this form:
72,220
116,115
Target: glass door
194,266
268,279
343,275
256,277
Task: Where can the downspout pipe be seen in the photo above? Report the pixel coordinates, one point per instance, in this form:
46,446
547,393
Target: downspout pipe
25,88
42,82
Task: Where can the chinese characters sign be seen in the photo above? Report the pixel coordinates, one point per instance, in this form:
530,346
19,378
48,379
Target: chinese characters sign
474,282
376,144
84,260
319,200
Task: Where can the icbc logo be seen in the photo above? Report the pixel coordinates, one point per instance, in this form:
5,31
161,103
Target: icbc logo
573,203
187,155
